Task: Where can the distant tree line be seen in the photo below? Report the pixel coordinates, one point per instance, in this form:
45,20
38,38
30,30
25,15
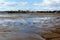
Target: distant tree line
48,11
21,11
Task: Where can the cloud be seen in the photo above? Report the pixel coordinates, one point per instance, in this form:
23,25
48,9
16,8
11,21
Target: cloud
44,5
14,3
49,4
5,5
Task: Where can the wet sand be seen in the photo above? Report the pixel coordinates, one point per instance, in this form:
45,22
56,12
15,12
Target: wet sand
55,35
49,34
29,31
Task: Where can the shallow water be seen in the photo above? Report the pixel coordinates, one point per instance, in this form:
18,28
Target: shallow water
26,26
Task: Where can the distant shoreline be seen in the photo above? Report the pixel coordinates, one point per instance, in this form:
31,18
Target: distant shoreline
19,11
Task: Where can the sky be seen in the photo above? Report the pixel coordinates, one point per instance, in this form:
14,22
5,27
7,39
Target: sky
32,5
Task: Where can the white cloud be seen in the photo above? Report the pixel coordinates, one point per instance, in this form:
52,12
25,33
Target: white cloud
14,3
49,4
1,1
4,5
45,5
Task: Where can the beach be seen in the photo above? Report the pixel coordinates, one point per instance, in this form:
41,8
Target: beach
29,26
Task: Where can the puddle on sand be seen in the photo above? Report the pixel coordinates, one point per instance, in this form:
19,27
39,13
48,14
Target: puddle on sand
24,28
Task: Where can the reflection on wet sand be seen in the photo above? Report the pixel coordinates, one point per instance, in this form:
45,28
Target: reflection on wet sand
35,28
